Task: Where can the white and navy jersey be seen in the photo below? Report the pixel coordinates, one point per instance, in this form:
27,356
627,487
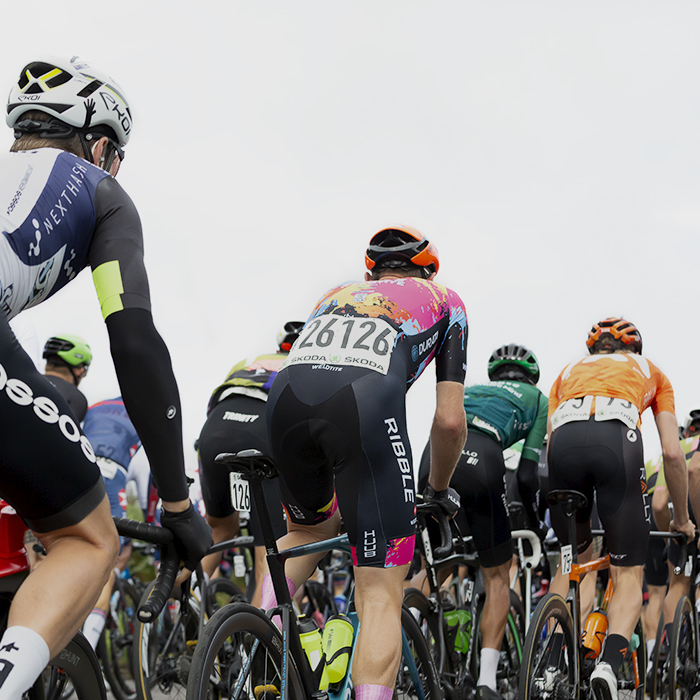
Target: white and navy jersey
59,213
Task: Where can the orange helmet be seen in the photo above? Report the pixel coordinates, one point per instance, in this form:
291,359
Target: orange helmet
619,329
402,246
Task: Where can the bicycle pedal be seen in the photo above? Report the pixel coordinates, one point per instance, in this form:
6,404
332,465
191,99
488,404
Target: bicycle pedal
266,692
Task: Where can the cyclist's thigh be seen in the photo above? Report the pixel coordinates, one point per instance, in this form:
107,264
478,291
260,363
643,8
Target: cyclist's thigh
623,504
114,477
480,481
376,489
570,467
48,470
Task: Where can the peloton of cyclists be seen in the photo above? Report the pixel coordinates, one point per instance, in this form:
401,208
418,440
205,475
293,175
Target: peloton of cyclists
595,445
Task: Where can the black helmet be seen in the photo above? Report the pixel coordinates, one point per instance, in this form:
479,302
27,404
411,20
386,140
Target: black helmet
518,362
289,333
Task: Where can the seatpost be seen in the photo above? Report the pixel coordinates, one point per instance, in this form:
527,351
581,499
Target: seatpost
276,567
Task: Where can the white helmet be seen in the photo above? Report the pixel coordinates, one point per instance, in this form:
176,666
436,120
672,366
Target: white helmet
73,92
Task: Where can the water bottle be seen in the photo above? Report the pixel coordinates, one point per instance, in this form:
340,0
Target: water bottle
337,643
312,642
594,633
458,626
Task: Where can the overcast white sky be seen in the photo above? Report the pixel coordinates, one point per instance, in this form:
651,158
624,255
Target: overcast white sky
550,149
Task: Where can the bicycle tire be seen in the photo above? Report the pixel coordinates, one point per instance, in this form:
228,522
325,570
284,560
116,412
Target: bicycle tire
163,648
656,671
239,645
550,656
421,609
416,657
222,591
631,684
115,646
683,652
76,665
511,656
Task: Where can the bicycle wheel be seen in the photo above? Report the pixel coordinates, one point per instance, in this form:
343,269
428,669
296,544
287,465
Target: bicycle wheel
631,683
114,648
421,609
75,666
656,662
162,649
511,655
417,677
240,656
222,591
550,656
683,653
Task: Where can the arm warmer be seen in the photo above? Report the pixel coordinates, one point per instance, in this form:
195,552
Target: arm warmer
151,397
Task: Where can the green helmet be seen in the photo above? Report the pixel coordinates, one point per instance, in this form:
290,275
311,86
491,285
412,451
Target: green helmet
518,361
72,349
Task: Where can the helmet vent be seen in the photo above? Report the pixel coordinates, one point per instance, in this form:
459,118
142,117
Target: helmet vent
90,88
34,88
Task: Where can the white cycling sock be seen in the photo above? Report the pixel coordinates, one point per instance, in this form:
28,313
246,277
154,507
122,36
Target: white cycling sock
650,647
489,665
93,626
23,656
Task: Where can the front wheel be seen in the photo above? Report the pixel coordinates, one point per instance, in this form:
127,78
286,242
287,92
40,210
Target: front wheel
240,651
549,668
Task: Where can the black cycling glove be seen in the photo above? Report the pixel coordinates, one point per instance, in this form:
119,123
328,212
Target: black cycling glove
447,499
191,532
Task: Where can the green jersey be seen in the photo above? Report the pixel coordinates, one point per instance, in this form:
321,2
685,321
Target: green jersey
509,412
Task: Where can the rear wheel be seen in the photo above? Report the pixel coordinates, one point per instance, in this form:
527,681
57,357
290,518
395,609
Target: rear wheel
114,648
417,677
241,651
550,656
683,653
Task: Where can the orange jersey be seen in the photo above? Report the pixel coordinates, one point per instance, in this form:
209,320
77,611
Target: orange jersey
620,375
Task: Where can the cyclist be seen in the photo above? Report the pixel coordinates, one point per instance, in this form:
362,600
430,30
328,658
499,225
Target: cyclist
661,561
67,360
63,210
595,444
114,441
236,421
337,421
499,414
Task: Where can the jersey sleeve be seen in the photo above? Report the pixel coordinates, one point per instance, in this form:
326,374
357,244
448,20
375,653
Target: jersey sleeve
116,252
451,360
535,438
664,398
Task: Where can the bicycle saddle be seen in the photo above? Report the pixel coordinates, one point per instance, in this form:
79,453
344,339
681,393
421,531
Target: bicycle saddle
251,463
569,499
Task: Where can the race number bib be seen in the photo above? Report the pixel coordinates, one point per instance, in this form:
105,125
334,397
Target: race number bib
240,492
616,409
572,410
342,340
